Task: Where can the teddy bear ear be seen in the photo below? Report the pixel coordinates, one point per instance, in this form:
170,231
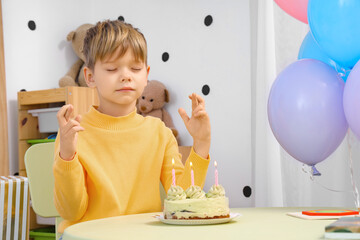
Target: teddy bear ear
70,36
167,95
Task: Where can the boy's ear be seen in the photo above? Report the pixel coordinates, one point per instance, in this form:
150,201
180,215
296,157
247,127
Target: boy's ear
148,70
89,77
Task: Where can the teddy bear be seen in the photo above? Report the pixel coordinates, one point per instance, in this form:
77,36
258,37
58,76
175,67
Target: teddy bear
75,76
152,102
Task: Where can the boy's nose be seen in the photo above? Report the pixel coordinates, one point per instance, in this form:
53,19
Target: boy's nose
125,75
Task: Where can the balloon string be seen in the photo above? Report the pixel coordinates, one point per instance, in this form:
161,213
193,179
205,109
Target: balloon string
312,177
339,71
355,189
342,72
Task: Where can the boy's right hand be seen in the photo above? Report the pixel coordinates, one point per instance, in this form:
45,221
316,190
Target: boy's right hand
69,129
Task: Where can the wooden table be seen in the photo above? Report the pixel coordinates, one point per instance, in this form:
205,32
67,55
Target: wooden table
255,223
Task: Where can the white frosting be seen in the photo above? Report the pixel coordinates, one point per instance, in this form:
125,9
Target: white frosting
176,193
216,191
195,192
197,204
201,208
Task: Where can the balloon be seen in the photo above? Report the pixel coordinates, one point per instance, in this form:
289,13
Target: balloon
335,27
310,49
295,8
352,100
305,110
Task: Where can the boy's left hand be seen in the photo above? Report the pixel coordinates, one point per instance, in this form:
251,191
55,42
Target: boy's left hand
198,125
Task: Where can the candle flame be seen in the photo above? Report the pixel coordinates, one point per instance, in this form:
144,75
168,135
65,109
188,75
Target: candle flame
173,162
190,164
215,164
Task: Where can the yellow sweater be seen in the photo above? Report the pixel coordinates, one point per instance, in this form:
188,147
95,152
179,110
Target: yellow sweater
117,168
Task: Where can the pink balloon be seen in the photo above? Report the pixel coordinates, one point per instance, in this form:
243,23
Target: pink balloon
295,8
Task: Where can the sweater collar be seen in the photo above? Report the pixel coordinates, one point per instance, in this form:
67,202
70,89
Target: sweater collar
94,117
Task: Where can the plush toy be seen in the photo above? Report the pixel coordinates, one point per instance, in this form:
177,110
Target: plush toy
152,101
75,76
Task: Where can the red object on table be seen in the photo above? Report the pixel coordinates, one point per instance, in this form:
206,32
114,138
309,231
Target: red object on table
330,212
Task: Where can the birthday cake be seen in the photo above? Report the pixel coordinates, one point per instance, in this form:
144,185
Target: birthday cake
195,204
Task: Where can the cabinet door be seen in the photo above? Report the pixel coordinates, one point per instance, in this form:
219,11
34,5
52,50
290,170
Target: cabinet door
27,126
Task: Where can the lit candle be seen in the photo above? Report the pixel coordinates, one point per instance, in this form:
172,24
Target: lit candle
173,173
216,174
192,174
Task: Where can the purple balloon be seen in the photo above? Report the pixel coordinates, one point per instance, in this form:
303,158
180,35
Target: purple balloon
305,110
352,100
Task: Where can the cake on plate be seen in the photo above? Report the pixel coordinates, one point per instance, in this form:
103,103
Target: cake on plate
195,204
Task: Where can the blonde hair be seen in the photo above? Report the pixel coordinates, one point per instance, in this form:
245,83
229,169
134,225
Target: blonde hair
102,40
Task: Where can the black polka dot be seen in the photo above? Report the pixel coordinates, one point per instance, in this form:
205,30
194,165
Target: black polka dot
165,56
247,191
32,25
121,18
205,89
208,20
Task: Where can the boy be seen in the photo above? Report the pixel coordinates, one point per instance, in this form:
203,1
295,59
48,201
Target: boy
110,164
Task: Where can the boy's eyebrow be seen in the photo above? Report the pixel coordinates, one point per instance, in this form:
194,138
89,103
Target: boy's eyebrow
108,62
109,59
137,62
114,61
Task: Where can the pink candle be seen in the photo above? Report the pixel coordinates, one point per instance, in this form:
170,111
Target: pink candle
173,173
216,174
192,174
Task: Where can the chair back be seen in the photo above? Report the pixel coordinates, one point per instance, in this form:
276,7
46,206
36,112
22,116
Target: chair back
39,160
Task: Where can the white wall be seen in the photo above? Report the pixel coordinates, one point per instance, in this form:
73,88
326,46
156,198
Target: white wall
217,55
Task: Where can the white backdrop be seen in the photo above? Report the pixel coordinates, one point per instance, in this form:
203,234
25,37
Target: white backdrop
217,55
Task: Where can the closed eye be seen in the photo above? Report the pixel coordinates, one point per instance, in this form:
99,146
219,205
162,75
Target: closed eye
111,70
136,69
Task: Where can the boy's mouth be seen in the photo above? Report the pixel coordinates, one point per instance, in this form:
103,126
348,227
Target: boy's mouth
125,89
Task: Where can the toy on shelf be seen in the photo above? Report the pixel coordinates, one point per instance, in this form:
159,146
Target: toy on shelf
75,76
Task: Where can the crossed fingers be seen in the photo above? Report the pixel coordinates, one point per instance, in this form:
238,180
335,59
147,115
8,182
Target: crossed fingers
66,123
198,105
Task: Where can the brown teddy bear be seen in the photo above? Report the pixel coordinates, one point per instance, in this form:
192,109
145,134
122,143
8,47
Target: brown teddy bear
75,76
152,101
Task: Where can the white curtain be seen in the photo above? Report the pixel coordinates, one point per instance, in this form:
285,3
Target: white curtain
279,179
266,151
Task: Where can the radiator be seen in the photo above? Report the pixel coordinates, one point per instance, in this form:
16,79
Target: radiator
14,205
